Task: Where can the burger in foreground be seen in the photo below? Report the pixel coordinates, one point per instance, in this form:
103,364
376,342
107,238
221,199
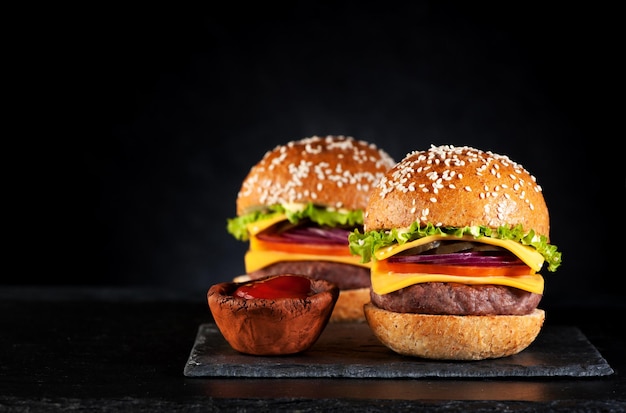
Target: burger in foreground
456,237
297,207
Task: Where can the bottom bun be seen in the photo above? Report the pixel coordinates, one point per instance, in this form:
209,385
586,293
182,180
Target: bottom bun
451,337
349,305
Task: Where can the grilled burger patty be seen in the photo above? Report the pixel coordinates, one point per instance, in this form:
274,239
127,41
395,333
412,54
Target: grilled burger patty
458,299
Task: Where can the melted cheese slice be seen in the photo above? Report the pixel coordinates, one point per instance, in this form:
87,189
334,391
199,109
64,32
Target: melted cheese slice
257,258
386,282
256,227
527,254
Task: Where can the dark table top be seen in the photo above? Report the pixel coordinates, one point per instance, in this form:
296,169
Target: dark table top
107,349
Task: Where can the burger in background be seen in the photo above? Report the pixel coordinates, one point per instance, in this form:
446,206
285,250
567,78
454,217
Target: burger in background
297,206
456,237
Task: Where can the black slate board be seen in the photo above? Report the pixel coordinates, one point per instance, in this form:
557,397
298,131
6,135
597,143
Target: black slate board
351,350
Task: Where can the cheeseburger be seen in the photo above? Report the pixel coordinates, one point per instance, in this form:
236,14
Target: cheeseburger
456,237
297,206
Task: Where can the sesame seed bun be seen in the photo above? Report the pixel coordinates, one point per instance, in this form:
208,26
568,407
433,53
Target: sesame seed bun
336,172
457,186
349,305
333,171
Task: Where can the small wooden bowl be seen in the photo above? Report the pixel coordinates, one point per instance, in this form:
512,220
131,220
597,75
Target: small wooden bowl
266,327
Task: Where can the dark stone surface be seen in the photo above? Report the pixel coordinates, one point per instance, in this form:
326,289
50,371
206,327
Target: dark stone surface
111,350
351,350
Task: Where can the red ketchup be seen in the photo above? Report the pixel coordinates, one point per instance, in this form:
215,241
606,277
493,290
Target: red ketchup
281,286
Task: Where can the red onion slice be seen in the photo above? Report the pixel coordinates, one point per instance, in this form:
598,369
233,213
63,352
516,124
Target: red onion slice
309,235
477,258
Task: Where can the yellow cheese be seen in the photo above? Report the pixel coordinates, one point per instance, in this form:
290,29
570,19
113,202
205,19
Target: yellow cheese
386,282
527,254
258,226
255,259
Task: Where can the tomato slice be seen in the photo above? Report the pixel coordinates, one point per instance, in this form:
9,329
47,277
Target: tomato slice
463,270
301,248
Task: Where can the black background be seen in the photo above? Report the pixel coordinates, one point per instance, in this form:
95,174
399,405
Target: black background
154,117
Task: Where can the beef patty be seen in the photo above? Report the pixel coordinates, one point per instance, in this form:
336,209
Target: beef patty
458,299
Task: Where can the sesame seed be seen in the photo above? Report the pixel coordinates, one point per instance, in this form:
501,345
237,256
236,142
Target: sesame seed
437,166
292,190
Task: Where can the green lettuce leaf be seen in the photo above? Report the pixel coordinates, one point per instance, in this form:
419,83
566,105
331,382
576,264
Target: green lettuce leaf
322,216
366,244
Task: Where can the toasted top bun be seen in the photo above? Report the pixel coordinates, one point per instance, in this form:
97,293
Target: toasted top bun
331,171
457,186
